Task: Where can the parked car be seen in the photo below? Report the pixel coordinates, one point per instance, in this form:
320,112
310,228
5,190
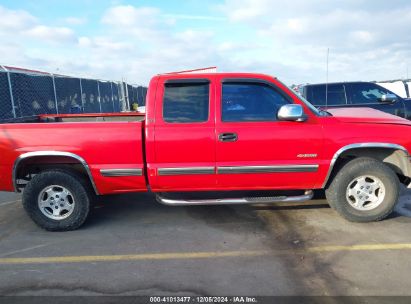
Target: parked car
356,94
209,133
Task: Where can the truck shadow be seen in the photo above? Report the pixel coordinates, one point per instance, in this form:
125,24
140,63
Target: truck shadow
220,228
289,228
107,208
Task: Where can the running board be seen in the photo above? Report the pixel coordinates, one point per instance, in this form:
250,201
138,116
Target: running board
234,201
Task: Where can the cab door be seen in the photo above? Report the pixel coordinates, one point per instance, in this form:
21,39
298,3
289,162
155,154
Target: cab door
256,151
184,135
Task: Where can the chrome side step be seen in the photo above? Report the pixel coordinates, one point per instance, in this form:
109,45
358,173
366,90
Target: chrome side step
234,201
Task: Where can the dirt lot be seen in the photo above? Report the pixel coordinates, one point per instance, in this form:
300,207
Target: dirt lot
132,245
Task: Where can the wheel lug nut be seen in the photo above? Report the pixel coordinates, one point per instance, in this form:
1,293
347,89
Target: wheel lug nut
52,198
56,207
61,205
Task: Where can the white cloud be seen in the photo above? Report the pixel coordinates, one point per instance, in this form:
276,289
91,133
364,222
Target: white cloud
288,39
362,36
51,34
84,42
245,10
105,43
297,25
368,40
12,20
130,16
193,17
75,20
26,42
16,26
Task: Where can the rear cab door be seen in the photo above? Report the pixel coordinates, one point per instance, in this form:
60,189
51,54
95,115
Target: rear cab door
181,148
254,149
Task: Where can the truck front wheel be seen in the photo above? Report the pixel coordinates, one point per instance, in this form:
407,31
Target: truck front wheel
57,200
364,190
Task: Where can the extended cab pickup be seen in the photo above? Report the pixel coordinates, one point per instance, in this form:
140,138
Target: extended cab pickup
214,134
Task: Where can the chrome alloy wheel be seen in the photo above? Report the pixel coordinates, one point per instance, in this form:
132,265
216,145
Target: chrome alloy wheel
366,192
56,202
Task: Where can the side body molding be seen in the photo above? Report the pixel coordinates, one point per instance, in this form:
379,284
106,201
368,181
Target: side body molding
121,172
51,153
359,146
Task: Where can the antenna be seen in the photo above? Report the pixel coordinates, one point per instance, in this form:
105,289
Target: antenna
326,83
212,69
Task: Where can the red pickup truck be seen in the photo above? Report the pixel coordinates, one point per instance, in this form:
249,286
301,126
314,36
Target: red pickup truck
219,133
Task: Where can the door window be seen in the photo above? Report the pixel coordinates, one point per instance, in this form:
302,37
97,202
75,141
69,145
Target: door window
250,102
363,93
186,102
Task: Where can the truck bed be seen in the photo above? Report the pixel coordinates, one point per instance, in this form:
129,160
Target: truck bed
129,116
80,117
104,146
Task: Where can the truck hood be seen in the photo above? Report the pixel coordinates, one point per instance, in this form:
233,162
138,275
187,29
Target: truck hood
366,115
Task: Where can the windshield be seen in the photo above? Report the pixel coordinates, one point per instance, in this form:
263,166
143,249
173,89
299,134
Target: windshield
316,111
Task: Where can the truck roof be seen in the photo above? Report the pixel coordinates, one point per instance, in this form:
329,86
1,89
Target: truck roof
227,74
338,82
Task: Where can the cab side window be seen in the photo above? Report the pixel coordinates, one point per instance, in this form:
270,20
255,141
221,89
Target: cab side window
243,101
364,93
335,95
186,102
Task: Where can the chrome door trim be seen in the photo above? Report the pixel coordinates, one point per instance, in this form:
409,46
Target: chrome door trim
121,172
361,145
50,153
186,171
267,169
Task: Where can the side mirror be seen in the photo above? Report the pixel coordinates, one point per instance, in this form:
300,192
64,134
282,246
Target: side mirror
387,98
291,112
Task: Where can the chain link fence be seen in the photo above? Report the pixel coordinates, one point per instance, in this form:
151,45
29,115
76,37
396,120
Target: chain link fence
6,108
25,93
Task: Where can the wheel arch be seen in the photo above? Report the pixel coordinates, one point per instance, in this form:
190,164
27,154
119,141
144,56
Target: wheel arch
394,155
49,158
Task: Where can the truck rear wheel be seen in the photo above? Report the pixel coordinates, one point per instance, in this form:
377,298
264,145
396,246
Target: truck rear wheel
364,190
57,200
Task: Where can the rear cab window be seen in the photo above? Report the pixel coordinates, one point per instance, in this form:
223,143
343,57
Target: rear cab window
186,101
327,95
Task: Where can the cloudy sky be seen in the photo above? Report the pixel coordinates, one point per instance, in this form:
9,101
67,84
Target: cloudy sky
368,40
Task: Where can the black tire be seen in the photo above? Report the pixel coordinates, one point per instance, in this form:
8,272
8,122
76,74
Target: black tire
336,192
75,184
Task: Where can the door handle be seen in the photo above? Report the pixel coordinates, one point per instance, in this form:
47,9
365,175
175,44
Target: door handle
227,137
